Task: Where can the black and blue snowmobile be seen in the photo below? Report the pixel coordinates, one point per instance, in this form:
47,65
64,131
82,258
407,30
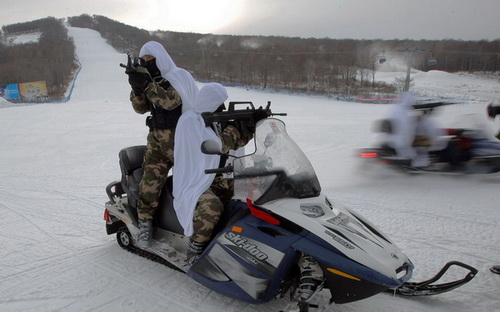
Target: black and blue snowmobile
280,235
468,148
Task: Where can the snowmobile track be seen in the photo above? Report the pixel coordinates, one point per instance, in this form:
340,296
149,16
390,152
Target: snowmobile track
151,256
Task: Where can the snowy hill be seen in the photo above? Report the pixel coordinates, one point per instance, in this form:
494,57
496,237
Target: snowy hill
56,160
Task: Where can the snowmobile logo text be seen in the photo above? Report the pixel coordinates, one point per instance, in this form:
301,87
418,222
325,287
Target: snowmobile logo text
340,240
243,244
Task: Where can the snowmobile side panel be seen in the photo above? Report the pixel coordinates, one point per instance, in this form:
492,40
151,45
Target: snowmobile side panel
345,288
248,261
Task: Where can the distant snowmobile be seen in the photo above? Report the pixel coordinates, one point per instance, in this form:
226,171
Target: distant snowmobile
279,235
467,149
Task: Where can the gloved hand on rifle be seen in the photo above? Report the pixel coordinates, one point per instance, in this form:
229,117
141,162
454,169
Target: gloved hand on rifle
138,81
245,127
259,114
249,125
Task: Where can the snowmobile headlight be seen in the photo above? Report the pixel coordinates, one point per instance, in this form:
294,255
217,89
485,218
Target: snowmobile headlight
312,211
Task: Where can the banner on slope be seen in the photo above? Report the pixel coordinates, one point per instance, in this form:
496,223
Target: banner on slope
9,92
30,90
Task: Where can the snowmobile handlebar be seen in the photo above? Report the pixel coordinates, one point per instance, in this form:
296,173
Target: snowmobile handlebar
227,169
249,114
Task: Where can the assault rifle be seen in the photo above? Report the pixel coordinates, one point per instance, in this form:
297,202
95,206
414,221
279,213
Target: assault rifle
247,114
134,65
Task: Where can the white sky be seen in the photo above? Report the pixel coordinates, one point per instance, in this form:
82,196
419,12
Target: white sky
337,19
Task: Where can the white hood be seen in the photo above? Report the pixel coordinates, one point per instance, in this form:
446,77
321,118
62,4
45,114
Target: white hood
178,77
190,180
403,117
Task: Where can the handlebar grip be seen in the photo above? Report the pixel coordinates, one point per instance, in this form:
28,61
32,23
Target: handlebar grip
227,169
208,171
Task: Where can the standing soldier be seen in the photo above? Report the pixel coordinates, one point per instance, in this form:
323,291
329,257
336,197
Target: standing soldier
165,91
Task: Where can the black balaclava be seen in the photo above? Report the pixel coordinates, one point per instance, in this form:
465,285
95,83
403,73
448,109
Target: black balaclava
153,70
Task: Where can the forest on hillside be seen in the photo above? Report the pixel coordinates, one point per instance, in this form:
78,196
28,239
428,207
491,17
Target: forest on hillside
50,59
328,66
337,67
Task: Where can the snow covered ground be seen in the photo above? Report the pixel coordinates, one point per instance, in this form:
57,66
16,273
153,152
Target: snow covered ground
56,160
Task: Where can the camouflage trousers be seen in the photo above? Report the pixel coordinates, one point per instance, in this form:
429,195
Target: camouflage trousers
210,208
158,160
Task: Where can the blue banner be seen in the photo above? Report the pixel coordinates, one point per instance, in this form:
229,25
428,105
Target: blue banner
10,92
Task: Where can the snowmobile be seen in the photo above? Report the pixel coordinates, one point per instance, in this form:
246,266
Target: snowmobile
280,235
465,149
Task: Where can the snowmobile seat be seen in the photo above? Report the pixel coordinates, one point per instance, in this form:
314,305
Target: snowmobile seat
131,159
166,217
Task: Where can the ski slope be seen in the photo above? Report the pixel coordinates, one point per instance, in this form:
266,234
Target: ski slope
56,160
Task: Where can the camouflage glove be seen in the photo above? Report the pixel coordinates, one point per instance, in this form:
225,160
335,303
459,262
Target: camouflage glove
243,126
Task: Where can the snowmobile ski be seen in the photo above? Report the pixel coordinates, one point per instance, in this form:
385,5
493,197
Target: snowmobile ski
427,288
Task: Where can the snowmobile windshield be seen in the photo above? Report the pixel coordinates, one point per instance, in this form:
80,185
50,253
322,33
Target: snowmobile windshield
277,169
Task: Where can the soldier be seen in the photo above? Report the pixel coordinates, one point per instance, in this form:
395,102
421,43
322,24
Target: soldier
493,111
197,196
166,92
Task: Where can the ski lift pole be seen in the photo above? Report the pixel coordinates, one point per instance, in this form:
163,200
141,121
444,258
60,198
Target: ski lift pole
408,68
380,58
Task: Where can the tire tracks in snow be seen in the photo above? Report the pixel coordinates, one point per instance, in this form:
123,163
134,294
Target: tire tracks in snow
45,233
46,269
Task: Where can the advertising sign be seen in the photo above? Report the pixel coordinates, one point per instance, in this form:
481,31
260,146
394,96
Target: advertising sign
9,92
35,89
